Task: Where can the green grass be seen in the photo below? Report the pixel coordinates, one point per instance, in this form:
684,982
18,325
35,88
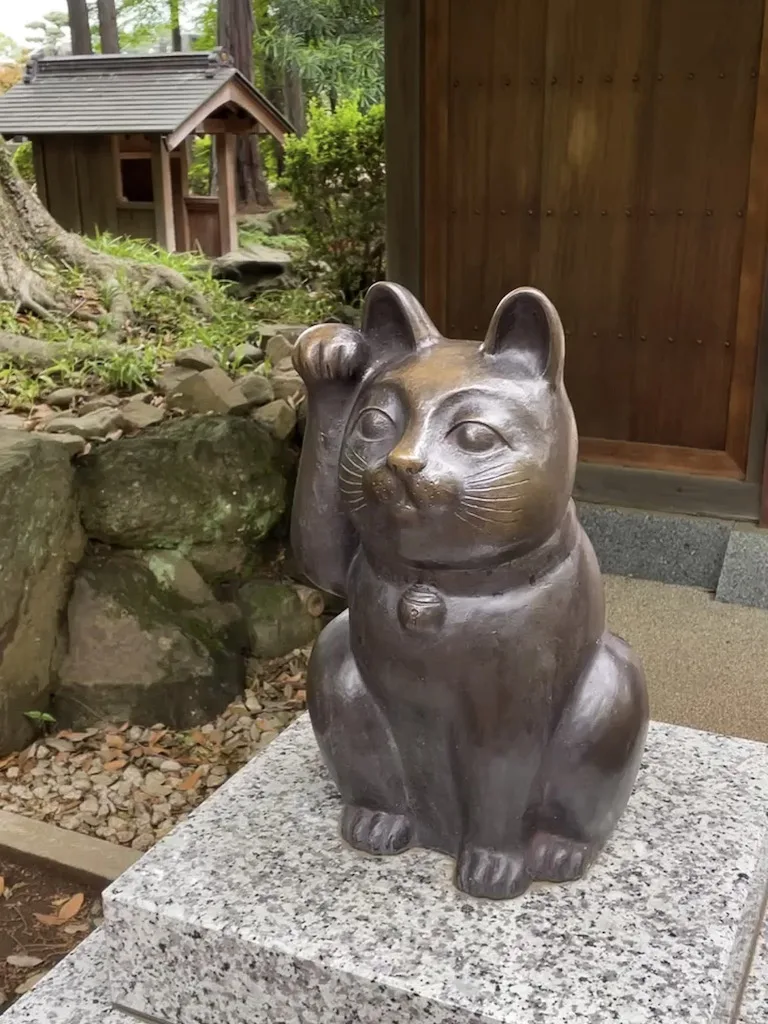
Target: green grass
250,234
164,322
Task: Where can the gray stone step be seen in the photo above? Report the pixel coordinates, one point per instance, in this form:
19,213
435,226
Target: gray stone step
75,992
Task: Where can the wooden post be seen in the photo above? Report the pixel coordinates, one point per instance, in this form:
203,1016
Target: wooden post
764,492
38,160
225,161
162,194
179,181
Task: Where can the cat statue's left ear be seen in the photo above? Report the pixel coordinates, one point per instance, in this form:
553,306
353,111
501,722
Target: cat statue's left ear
527,328
394,321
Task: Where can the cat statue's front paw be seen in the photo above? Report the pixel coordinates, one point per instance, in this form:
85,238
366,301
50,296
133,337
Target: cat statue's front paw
491,874
375,832
330,352
554,858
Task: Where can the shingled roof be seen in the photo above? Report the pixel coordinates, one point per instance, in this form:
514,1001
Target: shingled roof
116,93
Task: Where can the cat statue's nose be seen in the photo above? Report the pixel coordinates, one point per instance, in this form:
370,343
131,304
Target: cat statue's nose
405,462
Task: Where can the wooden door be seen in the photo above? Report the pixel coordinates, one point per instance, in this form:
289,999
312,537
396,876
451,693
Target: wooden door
615,154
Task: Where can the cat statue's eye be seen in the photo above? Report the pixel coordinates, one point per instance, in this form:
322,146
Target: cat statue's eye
375,425
475,437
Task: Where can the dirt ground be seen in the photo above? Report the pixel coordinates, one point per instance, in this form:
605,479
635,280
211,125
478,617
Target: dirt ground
43,915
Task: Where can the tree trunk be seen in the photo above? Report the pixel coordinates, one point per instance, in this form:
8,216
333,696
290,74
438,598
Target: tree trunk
294,100
79,28
175,27
110,42
236,28
36,254
273,88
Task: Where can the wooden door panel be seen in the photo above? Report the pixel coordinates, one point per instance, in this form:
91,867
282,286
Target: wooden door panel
495,124
690,219
615,154
592,138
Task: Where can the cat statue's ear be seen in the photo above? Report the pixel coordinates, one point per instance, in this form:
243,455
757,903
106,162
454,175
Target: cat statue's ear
394,321
527,328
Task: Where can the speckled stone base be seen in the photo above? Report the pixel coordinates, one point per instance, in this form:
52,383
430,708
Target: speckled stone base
754,1007
255,911
75,992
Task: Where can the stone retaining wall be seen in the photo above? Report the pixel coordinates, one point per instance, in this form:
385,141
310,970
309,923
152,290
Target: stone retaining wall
137,579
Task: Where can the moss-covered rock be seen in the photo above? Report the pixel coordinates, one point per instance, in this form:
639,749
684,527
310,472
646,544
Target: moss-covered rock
197,480
148,643
276,619
40,542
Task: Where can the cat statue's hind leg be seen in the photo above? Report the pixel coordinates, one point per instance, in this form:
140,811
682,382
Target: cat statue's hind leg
357,747
590,766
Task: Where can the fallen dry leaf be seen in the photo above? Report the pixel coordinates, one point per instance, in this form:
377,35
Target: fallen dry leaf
67,911
7,760
191,780
2,885
155,737
19,960
72,907
29,983
197,736
75,737
115,741
115,766
76,929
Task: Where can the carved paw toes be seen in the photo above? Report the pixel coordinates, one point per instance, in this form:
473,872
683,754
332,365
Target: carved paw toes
554,858
329,352
492,874
375,832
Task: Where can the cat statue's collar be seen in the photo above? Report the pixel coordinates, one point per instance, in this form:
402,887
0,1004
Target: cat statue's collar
527,570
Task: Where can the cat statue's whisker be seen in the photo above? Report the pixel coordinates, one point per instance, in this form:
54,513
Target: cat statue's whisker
501,520
355,459
495,474
494,501
492,514
513,490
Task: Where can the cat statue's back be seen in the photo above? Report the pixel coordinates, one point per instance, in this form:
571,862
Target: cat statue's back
470,700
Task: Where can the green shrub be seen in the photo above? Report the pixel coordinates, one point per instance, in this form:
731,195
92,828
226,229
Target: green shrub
335,174
22,161
200,167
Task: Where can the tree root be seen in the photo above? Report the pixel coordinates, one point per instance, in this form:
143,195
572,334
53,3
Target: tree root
37,354
29,232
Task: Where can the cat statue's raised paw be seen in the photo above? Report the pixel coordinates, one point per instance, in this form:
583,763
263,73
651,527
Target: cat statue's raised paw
471,700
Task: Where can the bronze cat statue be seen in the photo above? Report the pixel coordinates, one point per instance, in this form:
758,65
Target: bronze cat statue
471,700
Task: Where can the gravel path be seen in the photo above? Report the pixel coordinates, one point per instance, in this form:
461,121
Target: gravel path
130,785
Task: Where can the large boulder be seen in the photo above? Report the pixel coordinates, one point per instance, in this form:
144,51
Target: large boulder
251,267
197,480
40,542
148,642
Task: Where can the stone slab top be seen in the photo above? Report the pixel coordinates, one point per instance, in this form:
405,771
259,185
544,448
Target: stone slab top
254,909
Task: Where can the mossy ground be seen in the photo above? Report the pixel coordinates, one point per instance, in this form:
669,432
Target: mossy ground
163,322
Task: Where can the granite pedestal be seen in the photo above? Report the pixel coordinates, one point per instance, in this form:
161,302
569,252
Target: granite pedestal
254,911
